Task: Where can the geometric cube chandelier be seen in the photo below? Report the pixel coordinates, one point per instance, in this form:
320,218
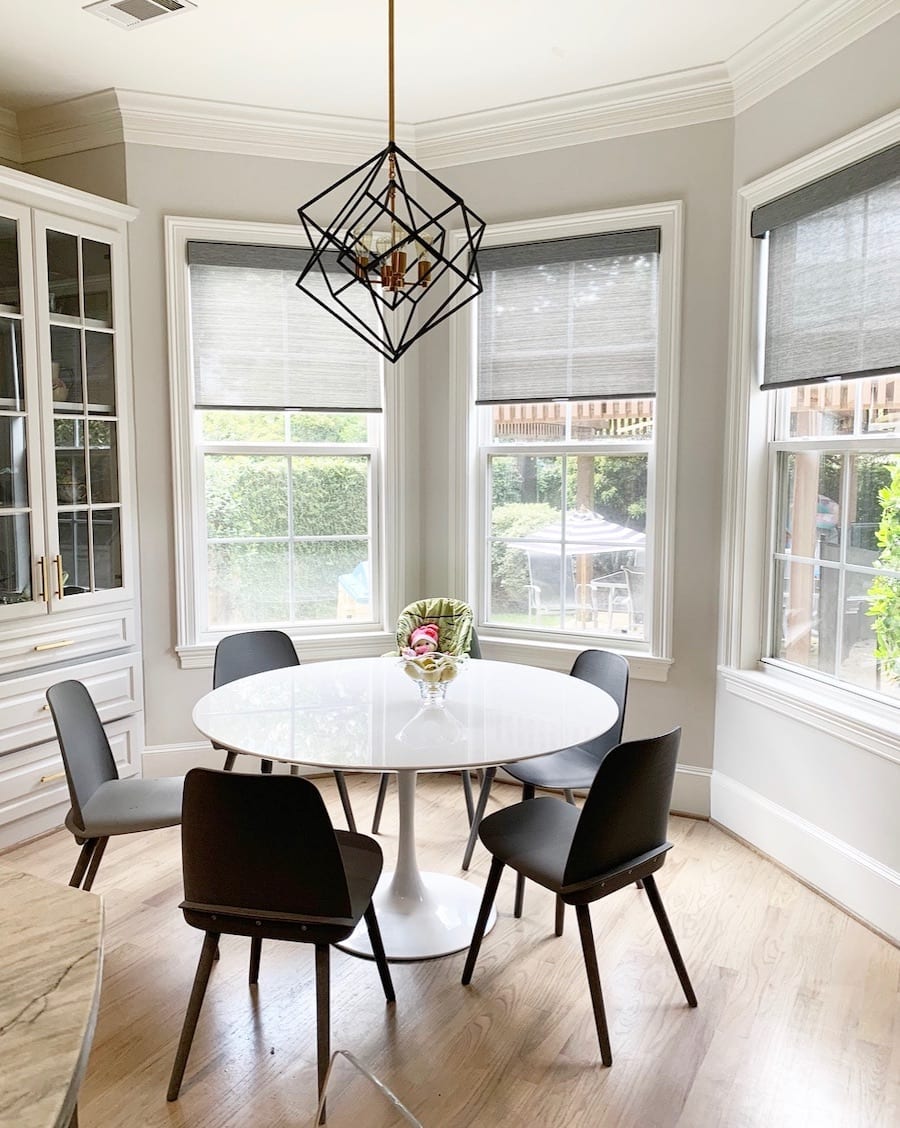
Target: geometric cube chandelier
384,264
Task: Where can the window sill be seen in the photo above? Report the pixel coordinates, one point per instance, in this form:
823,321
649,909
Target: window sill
313,648
561,655
838,712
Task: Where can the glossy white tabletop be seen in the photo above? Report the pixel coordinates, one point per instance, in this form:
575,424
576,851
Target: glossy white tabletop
364,714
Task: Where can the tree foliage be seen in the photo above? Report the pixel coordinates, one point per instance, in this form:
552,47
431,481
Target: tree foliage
884,594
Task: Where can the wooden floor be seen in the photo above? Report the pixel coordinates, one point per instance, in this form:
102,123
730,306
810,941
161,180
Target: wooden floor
798,1022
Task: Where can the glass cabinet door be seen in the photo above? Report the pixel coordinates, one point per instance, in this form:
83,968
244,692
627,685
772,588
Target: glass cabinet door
16,514
85,414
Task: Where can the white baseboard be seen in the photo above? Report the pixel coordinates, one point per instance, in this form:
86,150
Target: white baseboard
690,796
861,884
176,759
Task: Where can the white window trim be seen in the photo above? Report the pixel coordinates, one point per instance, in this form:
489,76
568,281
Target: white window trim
747,492
650,661
393,518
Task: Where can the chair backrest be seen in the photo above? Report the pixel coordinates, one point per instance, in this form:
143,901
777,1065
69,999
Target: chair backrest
85,749
626,812
453,618
634,579
608,671
252,652
260,843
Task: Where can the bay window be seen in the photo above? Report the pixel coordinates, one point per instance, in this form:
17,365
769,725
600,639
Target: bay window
828,333
573,380
279,417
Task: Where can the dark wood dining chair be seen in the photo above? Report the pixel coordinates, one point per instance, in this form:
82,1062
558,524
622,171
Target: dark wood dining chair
261,859
256,652
569,768
618,837
102,804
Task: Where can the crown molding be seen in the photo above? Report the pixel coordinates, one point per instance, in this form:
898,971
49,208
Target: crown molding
644,106
800,42
817,30
10,146
131,117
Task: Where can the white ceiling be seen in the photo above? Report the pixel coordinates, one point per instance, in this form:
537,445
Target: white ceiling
330,56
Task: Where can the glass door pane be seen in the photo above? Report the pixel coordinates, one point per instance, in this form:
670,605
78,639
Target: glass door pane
16,511
83,377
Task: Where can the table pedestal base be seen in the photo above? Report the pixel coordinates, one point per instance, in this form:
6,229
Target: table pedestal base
436,923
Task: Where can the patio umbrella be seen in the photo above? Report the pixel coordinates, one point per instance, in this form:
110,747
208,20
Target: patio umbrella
587,533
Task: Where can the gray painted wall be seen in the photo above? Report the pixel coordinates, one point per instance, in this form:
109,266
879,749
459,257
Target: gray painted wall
810,797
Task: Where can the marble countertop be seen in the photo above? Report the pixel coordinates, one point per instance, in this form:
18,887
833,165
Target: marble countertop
50,964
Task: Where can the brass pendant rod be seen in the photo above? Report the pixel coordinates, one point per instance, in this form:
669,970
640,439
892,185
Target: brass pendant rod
391,70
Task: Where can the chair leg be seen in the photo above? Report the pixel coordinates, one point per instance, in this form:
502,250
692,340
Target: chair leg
379,802
467,795
570,796
669,936
483,795
593,975
378,952
323,1017
255,955
519,903
81,865
204,967
560,915
230,758
487,902
345,800
95,863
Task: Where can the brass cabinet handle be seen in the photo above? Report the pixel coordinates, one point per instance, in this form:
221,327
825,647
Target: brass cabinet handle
53,776
45,579
55,645
59,576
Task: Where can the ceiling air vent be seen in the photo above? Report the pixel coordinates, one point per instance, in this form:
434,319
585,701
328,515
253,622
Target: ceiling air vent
133,13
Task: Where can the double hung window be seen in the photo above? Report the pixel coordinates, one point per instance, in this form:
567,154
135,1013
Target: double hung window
573,366
829,336
284,432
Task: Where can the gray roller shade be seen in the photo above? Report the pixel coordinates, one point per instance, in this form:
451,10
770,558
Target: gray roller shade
572,319
833,278
259,342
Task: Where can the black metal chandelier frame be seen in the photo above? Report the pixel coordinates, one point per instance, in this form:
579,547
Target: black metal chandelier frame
384,244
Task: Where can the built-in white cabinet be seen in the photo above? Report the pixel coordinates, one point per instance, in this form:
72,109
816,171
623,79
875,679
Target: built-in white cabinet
68,552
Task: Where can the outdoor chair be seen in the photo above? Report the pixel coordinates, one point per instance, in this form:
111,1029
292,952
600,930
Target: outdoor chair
634,578
618,837
262,859
456,635
256,652
102,804
569,768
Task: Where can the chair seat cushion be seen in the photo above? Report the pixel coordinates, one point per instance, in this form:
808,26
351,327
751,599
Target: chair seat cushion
533,838
121,806
568,768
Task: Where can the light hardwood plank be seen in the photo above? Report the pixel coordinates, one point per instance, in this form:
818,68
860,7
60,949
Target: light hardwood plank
798,1023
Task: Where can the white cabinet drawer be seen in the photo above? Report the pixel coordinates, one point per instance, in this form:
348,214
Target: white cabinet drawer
61,639
114,685
32,779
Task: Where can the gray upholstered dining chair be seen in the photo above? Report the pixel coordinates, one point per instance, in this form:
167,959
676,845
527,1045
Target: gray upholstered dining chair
102,804
618,837
569,769
261,859
256,652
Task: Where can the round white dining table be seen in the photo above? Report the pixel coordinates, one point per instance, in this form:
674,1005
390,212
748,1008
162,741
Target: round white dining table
364,714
